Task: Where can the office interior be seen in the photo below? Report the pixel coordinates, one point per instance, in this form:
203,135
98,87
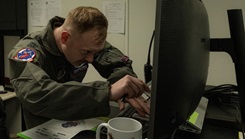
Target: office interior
139,25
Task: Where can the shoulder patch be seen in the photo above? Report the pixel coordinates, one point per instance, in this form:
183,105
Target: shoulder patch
125,59
26,54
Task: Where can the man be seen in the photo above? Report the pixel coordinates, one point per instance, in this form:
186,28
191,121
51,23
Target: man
47,69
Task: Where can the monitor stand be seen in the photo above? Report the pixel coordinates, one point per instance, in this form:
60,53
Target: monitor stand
235,47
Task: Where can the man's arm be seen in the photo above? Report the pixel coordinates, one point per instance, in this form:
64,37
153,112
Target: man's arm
45,97
112,64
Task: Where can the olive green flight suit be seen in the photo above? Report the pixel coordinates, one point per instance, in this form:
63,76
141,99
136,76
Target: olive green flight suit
49,87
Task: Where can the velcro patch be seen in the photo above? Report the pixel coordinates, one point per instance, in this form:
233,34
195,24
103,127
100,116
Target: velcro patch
26,54
125,59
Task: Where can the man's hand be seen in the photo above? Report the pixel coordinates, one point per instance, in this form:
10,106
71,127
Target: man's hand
132,88
140,104
128,86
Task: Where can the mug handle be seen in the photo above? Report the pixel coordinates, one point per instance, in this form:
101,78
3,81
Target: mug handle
99,128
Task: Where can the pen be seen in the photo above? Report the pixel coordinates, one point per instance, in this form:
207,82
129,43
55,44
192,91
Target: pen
123,97
148,96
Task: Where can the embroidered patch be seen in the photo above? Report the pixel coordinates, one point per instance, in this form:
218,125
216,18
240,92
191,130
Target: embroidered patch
125,59
70,124
26,54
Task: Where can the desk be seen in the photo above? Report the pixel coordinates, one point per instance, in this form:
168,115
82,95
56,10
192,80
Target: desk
13,112
8,95
210,131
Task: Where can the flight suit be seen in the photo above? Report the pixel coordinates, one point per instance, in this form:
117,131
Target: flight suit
48,86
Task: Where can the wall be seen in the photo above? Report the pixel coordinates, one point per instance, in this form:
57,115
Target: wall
138,29
140,16
221,68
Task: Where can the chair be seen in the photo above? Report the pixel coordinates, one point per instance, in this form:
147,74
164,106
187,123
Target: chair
4,132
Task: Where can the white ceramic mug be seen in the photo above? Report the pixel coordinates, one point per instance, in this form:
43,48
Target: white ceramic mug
121,128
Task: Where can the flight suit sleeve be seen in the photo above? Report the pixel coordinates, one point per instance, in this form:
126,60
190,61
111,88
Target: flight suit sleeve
44,97
112,64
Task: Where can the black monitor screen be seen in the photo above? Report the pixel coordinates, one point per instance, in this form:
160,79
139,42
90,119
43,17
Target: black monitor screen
180,64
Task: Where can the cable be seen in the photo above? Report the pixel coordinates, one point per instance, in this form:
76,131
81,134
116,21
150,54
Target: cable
173,134
237,115
149,50
147,66
224,94
224,89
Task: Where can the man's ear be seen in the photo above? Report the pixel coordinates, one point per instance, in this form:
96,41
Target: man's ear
64,37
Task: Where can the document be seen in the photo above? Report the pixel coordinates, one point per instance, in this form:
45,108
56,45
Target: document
115,13
40,11
240,135
58,129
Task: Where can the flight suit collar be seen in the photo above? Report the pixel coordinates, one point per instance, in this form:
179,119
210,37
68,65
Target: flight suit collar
48,35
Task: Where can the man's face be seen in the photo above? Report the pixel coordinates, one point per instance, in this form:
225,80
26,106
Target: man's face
81,48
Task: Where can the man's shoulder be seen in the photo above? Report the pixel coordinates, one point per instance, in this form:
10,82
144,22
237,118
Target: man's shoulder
29,41
27,49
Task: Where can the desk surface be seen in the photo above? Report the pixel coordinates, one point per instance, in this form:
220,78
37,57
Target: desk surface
209,132
8,95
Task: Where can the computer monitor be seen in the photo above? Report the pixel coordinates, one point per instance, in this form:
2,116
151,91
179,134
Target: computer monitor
180,64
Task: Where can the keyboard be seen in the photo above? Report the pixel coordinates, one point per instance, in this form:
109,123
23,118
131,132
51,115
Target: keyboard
128,111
